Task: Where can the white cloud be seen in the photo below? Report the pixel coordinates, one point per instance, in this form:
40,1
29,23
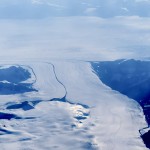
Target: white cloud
125,9
142,1
37,2
90,10
47,3
55,5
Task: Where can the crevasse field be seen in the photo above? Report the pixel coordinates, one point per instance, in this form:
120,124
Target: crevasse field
74,75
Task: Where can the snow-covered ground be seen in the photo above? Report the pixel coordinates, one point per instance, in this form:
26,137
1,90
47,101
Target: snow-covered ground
92,116
68,107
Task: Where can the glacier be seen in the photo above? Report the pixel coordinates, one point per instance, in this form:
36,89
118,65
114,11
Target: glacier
51,96
69,109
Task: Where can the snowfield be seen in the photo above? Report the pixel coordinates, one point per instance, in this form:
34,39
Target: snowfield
72,109
50,96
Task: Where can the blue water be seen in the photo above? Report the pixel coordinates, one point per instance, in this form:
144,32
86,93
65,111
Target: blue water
7,116
14,74
131,78
24,105
13,77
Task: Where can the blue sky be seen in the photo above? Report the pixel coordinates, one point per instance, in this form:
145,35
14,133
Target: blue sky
47,8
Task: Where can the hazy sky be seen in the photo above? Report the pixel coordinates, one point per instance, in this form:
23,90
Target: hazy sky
79,29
